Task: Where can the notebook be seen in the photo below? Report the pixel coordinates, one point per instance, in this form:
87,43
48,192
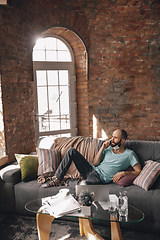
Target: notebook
101,191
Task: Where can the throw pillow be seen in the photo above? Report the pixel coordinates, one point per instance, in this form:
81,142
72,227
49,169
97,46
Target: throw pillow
127,180
48,161
148,175
29,167
19,157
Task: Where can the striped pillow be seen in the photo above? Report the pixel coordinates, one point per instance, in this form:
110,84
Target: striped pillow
48,161
148,175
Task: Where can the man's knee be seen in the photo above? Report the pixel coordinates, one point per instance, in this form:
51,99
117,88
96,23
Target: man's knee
72,150
69,151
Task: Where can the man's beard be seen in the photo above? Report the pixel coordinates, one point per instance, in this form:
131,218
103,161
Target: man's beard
116,146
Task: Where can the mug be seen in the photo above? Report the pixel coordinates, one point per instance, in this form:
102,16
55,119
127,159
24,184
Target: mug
64,192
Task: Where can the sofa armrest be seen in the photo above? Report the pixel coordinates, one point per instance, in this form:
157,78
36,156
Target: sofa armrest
11,174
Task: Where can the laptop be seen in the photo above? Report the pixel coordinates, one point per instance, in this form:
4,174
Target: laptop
101,191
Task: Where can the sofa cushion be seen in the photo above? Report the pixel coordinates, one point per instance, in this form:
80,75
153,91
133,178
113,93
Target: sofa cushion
148,175
29,167
156,184
48,161
145,150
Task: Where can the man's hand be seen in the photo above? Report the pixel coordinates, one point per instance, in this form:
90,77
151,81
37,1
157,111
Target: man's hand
106,144
118,176
136,172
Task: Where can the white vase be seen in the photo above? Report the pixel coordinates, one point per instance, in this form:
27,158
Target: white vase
86,210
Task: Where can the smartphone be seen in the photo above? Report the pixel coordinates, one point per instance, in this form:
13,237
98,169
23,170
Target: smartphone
110,141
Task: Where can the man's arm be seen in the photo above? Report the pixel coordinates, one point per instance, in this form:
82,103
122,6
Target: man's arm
98,158
119,175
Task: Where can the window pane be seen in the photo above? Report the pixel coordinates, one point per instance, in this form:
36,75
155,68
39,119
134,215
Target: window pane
41,78
54,108
65,122
51,56
50,43
38,55
64,56
42,100
64,100
40,44
54,100
55,123
43,123
63,77
61,45
52,77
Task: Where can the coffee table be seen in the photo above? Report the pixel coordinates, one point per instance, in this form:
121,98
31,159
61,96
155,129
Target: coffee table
86,228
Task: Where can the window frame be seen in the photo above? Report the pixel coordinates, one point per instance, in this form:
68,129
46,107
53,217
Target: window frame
48,65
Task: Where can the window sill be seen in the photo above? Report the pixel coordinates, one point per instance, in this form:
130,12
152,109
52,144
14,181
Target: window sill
3,160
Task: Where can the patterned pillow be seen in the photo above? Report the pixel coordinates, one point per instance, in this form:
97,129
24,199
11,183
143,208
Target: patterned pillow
48,161
148,175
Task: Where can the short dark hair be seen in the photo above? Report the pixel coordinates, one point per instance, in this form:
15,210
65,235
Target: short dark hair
124,134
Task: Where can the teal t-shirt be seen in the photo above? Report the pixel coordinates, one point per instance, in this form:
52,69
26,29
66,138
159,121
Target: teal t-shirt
113,163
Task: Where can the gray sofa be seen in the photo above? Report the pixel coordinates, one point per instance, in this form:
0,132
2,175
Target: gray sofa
16,193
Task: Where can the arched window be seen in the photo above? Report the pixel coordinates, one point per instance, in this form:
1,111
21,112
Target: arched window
51,49
55,98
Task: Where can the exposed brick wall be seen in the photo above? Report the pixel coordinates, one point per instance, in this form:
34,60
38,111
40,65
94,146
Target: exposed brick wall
122,88
124,68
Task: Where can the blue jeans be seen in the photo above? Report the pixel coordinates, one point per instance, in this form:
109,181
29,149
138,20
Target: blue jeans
82,165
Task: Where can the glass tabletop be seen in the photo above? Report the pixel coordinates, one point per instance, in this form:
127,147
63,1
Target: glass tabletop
97,212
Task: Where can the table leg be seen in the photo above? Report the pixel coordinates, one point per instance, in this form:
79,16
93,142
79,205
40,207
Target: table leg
44,222
115,229
86,228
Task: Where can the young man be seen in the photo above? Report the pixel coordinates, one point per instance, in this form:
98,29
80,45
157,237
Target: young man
109,164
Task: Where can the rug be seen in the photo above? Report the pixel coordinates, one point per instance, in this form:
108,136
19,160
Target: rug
24,228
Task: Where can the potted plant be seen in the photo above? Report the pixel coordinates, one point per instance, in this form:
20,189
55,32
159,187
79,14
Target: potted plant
86,198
